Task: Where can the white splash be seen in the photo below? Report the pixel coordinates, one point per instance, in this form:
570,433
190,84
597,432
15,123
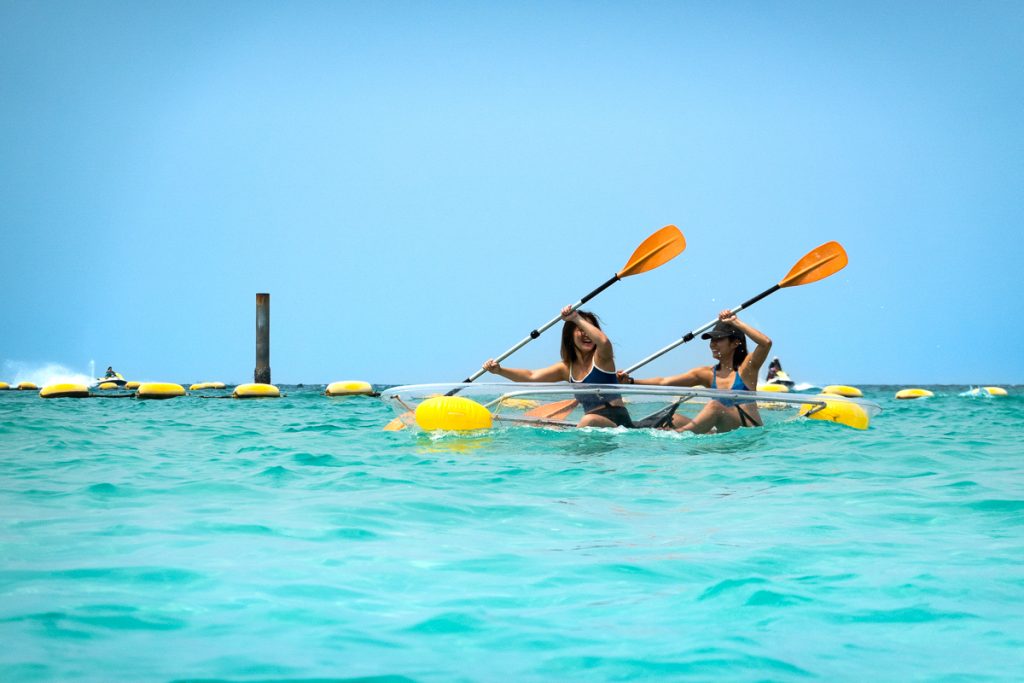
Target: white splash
42,374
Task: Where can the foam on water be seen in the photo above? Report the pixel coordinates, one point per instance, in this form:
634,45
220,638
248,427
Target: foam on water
42,374
292,539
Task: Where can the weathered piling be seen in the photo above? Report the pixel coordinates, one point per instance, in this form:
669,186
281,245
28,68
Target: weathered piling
262,374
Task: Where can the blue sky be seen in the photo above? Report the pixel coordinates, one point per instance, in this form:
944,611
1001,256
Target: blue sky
420,184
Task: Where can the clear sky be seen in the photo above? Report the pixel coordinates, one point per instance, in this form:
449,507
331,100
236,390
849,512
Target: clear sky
418,185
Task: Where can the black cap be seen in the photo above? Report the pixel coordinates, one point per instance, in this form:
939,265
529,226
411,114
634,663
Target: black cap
723,330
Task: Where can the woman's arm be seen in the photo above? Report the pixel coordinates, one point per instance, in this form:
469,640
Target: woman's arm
751,366
690,378
552,373
604,354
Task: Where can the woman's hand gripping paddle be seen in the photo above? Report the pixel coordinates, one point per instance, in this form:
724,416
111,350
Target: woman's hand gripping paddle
657,250
818,264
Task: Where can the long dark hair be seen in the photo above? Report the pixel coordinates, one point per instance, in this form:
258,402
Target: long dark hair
739,354
568,348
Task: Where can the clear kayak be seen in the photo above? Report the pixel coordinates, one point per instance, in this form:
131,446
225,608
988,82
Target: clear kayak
560,405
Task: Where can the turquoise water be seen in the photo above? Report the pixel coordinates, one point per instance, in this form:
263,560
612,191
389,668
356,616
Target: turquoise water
292,539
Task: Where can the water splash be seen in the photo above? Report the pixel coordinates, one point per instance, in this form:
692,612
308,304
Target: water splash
43,374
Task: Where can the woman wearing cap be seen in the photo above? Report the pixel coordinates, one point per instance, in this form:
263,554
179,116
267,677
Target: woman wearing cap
587,358
735,370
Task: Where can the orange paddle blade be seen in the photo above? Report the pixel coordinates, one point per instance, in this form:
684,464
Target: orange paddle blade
553,411
656,250
818,264
401,422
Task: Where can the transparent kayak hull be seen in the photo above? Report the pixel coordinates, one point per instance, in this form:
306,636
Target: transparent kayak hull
558,404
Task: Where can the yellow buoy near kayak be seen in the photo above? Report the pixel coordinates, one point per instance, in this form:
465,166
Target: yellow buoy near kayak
780,388
842,390
26,386
199,386
132,385
452,413
254,390
349,388
64,390
913,393
842,412
159,390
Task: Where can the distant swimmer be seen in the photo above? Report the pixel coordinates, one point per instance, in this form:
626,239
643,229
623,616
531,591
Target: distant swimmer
735,369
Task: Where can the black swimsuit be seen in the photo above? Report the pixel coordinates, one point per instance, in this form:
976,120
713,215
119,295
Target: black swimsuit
595,406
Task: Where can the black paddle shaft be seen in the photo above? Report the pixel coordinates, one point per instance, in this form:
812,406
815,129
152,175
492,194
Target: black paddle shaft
746,304
537,332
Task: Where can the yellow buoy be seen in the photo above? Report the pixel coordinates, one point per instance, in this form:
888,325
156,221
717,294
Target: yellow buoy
842,412
206,385
4,386
132,385
256,391
107,385
349,388
159,390
781,388
65,390
913,393
842,390
452,413
996,391
26,386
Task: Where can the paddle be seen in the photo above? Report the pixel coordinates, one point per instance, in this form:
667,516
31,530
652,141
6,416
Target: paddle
818,264
657,250
558,410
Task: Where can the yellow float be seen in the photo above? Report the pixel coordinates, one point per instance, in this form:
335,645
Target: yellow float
843,412
254,390
452,413
106,386
199,386
132,385
842,390
4,386
159,390
349,388
64,390
26,386
780,388
913,393
996,391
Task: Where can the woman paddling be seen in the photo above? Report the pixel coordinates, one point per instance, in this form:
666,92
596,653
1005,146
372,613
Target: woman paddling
587,358
735,370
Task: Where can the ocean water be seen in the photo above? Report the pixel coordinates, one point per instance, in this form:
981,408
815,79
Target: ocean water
292,539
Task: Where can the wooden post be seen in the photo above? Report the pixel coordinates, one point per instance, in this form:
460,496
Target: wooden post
262,374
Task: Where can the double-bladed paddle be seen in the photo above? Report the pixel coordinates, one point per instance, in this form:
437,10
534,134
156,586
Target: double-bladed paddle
657,250
818,264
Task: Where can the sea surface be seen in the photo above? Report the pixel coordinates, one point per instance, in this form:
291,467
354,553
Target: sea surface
292,539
